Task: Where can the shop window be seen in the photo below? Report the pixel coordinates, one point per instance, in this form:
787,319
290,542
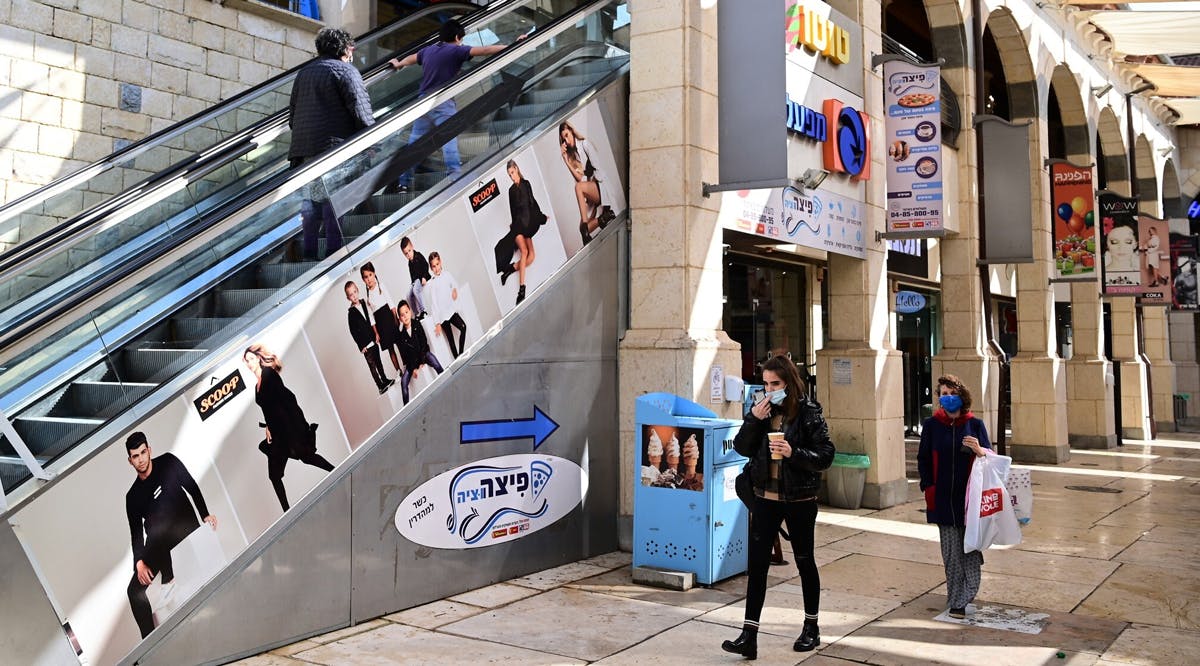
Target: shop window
765,312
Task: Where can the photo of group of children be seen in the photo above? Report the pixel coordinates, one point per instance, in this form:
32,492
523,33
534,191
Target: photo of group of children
671,457
153,520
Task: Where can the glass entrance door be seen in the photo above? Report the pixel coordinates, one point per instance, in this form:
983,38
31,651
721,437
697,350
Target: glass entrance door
766,312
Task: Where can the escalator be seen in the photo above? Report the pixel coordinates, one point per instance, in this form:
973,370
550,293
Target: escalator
35,222
155,347
141,328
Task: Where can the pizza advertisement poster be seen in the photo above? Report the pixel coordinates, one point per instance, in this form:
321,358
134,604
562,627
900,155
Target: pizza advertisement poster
1072,206
914,148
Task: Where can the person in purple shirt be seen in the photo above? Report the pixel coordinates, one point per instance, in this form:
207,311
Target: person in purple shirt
440,63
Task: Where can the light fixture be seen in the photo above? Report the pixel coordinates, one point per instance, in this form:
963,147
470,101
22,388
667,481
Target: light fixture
1142,88
812,178
1166,151
1101,91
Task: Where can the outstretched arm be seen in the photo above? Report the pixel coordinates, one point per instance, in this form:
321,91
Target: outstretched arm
406,61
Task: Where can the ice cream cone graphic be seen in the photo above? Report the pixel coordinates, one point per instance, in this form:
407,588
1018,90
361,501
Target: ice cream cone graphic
691,455
673,454
654,449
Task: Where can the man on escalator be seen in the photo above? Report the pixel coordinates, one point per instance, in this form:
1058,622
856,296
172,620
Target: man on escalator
329,104
440,63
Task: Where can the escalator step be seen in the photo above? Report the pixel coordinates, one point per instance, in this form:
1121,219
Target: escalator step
196,329
548,95
50,435
12,470
537,111
154,365
279,274
98,399
237,302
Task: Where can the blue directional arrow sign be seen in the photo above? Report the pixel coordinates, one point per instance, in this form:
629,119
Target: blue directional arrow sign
539,428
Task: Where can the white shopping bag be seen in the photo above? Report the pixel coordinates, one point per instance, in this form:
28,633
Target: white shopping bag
1020,491
990,516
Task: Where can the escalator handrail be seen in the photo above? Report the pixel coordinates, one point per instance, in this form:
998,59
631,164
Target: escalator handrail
17,259
131,151
280,185
178,384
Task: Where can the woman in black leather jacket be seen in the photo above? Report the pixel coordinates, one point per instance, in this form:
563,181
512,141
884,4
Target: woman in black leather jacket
785,474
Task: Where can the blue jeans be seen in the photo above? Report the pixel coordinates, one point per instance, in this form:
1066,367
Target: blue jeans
436,116
405,378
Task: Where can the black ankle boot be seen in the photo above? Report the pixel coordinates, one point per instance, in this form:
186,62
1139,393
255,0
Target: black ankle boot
810,637
606,216
583,233
746,644
520,294
506,273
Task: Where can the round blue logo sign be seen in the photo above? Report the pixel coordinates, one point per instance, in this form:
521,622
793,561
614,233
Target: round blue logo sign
908,302
852,141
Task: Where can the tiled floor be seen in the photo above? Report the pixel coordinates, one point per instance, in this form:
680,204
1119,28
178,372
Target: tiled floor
1114,576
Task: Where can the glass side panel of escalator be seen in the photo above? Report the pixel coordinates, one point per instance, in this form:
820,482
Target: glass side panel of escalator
166,216
153,326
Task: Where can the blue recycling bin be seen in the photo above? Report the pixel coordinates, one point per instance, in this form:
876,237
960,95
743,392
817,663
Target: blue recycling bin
686,513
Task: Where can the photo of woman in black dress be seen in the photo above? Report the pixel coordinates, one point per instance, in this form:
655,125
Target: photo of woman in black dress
288,432
379,301
527,218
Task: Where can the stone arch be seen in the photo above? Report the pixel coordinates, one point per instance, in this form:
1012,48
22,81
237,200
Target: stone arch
948,31
1147,178
1071,112
1112,145
1016,63
1172,196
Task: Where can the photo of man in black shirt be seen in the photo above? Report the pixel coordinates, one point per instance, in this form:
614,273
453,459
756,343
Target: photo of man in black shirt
160,517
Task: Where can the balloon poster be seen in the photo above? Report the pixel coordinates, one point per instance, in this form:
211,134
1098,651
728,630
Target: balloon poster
1071,201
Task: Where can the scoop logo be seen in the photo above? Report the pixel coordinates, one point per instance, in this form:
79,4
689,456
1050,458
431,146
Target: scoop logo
491,501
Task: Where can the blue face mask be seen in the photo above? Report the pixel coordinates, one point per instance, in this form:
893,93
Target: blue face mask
951,403
776,397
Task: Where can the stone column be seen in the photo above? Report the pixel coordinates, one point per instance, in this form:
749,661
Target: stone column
1162,370
1183,354
1091,413
1135,406
675,335
965,351
1039,387
865,406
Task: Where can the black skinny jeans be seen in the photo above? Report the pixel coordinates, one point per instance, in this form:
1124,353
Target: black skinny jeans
765,520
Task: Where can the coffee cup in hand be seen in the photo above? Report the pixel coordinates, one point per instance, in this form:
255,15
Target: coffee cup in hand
775,437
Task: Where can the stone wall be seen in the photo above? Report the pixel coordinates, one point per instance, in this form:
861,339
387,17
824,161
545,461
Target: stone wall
80,79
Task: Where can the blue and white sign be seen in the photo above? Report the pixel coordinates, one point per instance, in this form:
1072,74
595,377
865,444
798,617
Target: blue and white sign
912,97
818,219
491,501
908,302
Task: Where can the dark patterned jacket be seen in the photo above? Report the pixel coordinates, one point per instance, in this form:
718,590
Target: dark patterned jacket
812,451
329,103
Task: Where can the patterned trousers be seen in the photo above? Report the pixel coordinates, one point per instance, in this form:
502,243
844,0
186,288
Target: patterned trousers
962,569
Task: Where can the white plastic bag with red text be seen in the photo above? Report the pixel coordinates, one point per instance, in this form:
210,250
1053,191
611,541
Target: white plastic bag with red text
991,520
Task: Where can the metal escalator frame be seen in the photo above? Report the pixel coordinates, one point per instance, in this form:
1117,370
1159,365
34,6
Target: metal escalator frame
389,232
135,149
347,466
236,210
197,165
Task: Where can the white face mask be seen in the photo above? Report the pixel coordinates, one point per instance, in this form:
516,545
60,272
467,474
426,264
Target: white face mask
776,397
